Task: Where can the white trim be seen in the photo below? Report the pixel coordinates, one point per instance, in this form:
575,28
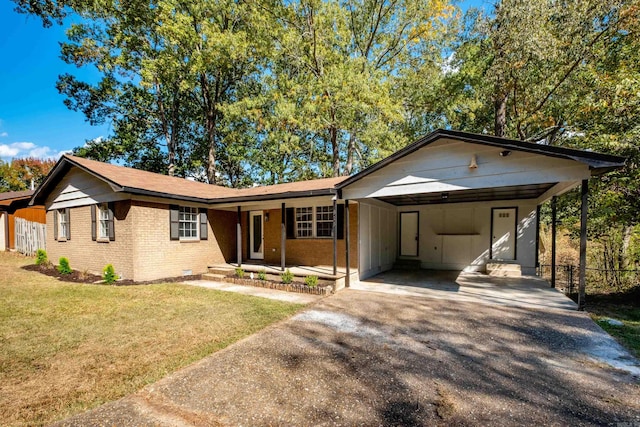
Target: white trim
314,221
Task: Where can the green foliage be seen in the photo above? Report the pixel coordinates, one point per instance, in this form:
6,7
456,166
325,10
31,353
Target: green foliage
18,174
311,281
262,275
63,266
109,274
41,257
239,272
287,277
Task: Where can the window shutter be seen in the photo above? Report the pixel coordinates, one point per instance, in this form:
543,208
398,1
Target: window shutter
204,229
55,224
174,222
248,234
68,215
93,223
291,223
112,229
340,222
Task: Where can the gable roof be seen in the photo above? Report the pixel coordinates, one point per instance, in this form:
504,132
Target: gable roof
134,181
12,200
598,162
15,195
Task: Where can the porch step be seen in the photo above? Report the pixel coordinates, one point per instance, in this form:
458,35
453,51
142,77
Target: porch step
224,271
407,264
504,269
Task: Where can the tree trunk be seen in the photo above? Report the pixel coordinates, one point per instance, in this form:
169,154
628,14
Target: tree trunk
500,110
211,139
626,242
350,153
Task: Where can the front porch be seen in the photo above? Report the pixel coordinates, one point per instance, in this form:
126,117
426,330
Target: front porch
300,272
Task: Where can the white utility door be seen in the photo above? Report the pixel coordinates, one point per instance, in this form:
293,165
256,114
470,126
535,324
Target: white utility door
256,235
503,240
408,233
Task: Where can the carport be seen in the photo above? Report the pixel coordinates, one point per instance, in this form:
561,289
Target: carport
465,202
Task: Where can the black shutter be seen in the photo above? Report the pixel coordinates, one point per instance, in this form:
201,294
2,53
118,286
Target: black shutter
204,229
112,229
55,224
340,222
247,234
67,212
291,223
93,223
174,222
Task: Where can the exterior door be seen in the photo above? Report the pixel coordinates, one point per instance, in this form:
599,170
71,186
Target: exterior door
503,234
408,233
256,235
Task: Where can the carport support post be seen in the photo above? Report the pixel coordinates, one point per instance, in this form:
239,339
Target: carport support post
553,241
583,243
334,233
239,238
283,236
347,278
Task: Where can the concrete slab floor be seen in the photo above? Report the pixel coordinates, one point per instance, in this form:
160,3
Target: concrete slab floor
257,292
526,291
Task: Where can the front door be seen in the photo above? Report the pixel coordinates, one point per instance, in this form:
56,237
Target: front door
408,233
256,236
503,237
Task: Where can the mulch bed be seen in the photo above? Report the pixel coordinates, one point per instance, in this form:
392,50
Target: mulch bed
94,279
290,287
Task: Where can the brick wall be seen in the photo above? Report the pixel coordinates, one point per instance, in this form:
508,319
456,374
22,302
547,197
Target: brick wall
156,256
93,256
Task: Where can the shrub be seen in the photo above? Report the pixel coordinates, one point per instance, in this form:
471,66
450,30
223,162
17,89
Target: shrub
287,277
262,275
239,272
311,281
41,257
63,266
109,274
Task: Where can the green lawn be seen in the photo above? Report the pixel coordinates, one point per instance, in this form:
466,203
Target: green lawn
65,348
628,334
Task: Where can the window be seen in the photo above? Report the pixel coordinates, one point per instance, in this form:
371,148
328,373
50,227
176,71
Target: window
103,221
304,222
188,223
324,221
63,223
321,216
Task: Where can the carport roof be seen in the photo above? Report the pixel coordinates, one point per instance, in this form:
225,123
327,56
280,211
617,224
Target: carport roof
597,162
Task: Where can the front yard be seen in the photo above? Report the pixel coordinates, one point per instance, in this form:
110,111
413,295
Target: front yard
67,347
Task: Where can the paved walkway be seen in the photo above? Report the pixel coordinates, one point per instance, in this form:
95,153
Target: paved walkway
255,291
526,291
364,358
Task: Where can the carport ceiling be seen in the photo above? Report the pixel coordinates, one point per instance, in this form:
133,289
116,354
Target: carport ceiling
531,191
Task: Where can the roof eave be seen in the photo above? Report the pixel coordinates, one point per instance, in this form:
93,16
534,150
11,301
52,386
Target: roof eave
274,196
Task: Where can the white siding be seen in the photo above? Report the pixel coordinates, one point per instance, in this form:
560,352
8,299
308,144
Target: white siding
3,231
444,166
79,188
377,233
458,236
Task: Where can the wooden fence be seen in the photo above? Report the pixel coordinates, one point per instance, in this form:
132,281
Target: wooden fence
29,236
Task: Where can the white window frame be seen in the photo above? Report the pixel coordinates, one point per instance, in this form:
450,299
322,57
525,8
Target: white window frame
193,221
321,213
103,221
313,233
63,224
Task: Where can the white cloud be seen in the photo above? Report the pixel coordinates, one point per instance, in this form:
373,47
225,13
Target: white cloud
3,134
29,149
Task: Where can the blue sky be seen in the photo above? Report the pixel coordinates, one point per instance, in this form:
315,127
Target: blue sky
33,119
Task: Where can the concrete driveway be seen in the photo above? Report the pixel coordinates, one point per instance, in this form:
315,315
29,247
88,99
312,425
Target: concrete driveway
364,358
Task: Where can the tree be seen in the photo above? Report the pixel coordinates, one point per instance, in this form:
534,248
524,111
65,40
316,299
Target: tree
23,174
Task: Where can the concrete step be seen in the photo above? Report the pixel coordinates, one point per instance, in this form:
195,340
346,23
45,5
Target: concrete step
221,270
504,269
214,276
407,264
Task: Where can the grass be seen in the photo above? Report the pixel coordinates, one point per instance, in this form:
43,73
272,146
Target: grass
66,347
628,334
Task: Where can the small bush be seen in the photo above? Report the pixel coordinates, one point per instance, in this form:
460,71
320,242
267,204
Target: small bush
109,274
63,266
311,281
239,272
41,257
262,275
287,277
